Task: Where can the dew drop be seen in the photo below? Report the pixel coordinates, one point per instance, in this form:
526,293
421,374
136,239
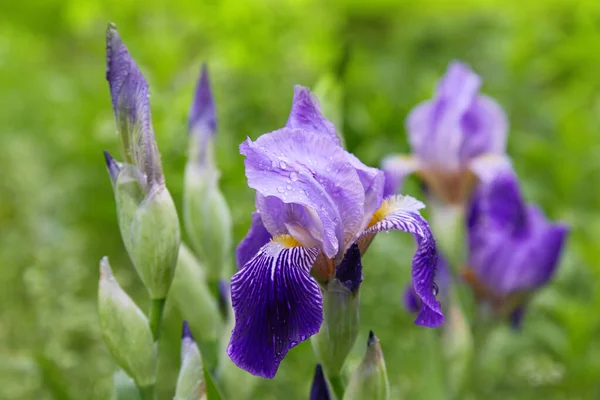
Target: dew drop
289,187
282,164
436,289
294,176
281,189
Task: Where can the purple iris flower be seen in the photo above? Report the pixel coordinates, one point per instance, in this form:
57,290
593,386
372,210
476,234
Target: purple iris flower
513,248
314,201
457,137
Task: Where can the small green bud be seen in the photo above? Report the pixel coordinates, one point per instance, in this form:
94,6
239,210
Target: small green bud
190,382
192,297
341,297
154,241
207,218
125,388
369,381
236,383
125,329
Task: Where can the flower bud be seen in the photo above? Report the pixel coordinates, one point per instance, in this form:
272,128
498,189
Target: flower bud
369,381
154,241
236,383
193,299
190,383
340,312
125,388
206,215
125,329
319,389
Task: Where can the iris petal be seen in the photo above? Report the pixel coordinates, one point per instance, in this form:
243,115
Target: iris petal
300,167
277,304
402,213
256,238
306,115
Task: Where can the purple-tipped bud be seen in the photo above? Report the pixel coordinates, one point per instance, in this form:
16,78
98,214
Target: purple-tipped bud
130,101
112,166
203,116
370,380
186,332
319,389
190,383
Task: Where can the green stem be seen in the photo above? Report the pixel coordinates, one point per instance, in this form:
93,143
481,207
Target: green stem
338,386
146,392
156,314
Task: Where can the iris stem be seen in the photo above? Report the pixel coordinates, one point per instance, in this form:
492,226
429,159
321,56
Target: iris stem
146,392
156,314
337,385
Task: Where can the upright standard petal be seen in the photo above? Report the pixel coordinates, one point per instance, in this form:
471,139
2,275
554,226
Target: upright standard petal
402,213
277,304
130,100
319,389
306,115
256,238
300,167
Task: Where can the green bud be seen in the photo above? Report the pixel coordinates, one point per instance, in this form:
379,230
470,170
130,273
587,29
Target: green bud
192,297
125,388
130,190
369,381
125,330
338,332
190,382
154,241
207,218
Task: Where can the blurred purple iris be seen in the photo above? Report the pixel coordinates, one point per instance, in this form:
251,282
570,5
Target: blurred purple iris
456,137
513,248
314,201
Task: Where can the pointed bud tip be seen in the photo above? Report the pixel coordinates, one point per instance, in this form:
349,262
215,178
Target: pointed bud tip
372,339
186,332
105,270
319,389
202,116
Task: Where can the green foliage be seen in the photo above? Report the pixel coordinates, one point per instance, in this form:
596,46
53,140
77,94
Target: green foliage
57,213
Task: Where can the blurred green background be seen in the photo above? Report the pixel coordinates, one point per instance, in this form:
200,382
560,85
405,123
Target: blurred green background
540,60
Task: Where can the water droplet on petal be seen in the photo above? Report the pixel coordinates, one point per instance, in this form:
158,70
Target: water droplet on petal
281,189
274,164
282,164
294,176
289,187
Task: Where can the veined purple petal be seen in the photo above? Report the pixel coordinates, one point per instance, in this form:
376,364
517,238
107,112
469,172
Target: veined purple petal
130,100
306,115
307,169
402,213
319,389
277,304
396,168
349,272
443,278
256,238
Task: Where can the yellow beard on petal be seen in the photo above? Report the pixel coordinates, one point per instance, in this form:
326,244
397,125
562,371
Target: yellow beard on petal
382,212
287,241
